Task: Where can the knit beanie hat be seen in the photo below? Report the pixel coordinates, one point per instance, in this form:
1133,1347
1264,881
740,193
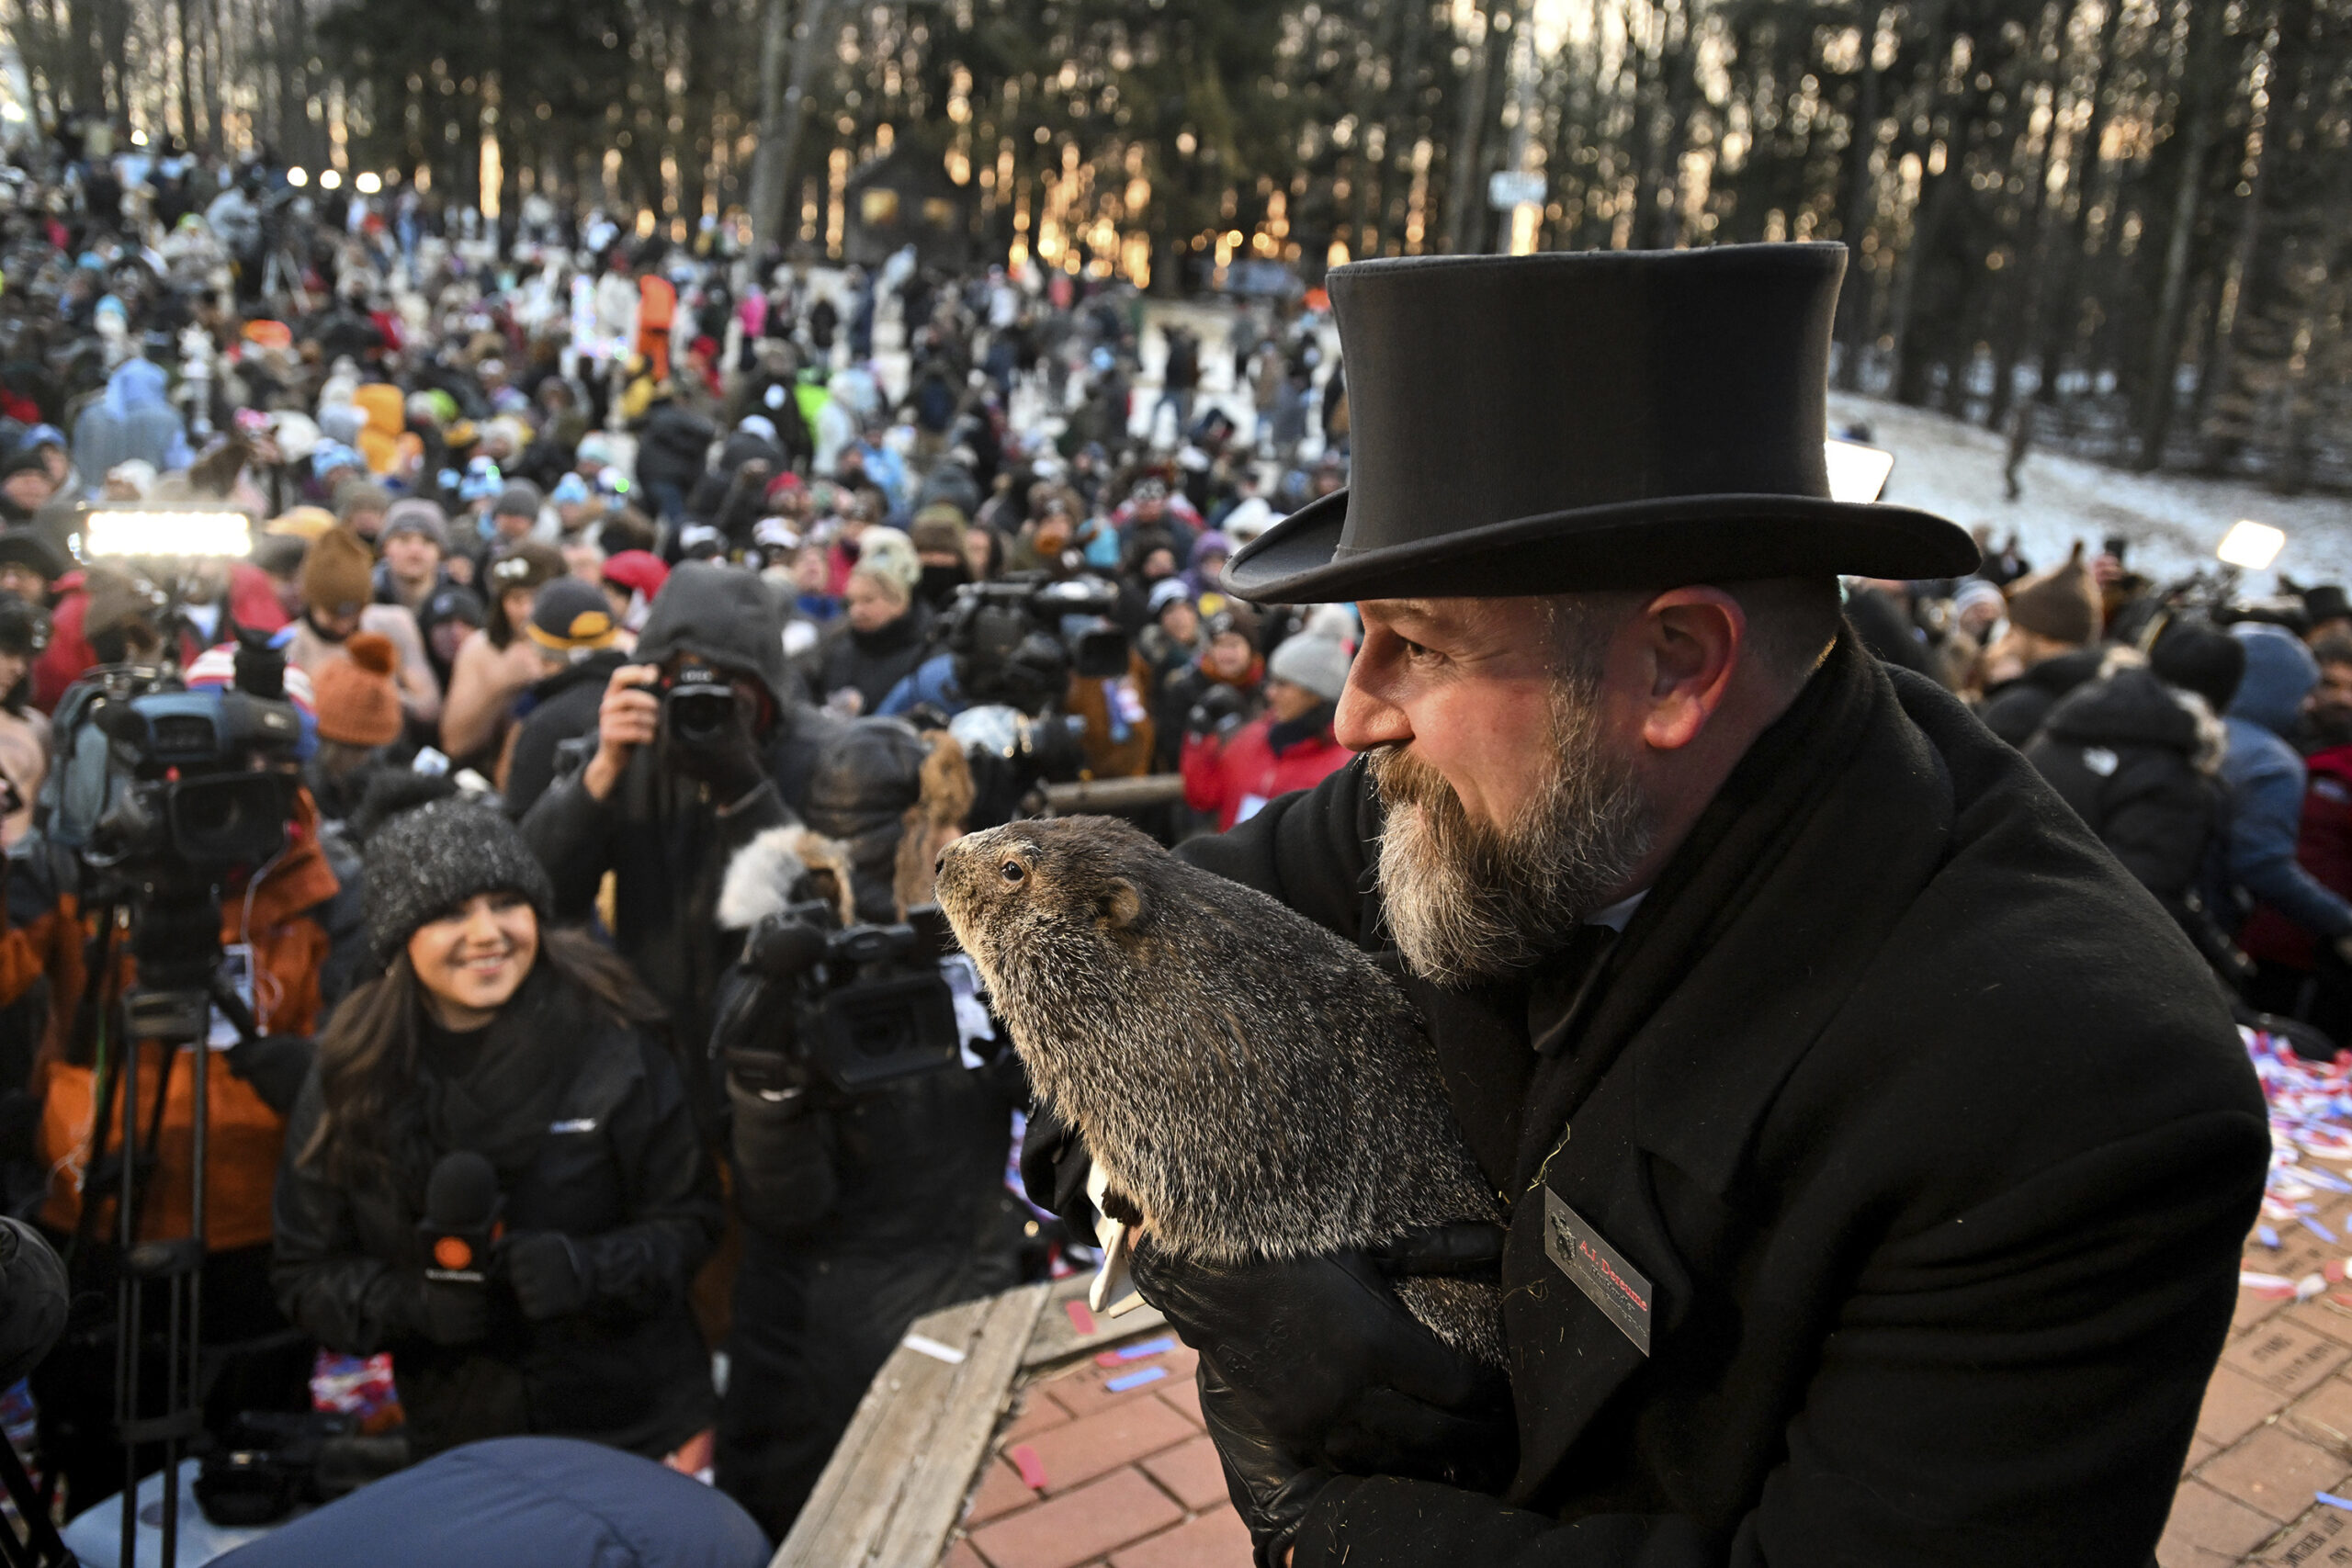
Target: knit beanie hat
2061,603
339,572
425,862
357,703
416,516
519,498
1317,663
2200,659
571,617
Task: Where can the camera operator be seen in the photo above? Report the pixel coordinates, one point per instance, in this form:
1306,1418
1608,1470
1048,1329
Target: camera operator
679,781
553,1302
866,1206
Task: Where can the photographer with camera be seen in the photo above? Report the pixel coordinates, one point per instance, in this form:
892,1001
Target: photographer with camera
869,1143
702,744
492,1170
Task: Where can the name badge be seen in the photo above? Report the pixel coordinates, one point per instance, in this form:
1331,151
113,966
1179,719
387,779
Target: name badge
1599,1270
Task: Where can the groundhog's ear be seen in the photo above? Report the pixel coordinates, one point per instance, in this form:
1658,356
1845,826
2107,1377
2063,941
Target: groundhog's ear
1120,904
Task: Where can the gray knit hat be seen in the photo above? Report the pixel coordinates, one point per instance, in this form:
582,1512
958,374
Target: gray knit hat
1311,661
424,862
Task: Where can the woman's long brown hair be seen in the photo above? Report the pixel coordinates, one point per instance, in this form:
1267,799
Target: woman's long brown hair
367,1056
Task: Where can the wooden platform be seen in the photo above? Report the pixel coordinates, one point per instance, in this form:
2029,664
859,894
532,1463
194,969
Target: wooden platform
1022,1432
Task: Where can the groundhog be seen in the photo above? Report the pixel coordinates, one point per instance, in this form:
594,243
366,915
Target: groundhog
1248,1084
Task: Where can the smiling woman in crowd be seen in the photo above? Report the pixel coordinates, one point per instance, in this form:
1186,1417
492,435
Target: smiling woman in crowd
486,1032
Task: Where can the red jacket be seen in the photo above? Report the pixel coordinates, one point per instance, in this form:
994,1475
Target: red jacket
1236,776
2324,848
253,600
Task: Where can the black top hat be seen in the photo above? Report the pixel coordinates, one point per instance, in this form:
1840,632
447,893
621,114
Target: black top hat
1561,422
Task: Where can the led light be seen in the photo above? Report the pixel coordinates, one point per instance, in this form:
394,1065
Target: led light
368,183
144,533
2253,546
330,178
1856,473
297,176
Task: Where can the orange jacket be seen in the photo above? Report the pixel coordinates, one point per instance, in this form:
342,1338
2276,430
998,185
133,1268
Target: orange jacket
290,947
657,307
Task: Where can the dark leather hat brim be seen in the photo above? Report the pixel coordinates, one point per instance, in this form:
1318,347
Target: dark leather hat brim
1647,544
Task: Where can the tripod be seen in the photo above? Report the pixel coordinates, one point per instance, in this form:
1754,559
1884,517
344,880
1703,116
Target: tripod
174,938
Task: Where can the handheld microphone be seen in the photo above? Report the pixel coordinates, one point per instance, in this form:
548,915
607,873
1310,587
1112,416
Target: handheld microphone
461,1221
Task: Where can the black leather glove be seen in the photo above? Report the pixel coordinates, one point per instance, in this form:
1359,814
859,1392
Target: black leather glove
1322,1359
543,1270
730,762
1270,1488
450,1312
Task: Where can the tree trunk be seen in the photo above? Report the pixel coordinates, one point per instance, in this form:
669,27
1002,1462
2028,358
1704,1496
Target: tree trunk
2061,314
767,174
1465,204
2159,394
1855,302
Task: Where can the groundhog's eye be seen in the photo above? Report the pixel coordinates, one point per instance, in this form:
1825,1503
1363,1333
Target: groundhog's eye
1014,871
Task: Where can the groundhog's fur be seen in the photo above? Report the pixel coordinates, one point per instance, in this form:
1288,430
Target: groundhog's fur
1251,1084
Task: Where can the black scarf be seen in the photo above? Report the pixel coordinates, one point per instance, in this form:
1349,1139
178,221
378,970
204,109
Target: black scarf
501,1106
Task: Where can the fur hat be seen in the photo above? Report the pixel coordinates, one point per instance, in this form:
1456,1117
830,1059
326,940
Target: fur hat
1315,664
357,703
339,572
425,862
2061,603
884,799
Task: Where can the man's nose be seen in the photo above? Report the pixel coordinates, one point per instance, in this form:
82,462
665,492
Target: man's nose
1364,720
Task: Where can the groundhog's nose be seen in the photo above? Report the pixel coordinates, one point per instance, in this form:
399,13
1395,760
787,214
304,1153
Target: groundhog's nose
938,865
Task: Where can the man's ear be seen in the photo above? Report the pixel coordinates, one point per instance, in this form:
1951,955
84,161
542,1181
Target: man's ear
1694,639
1119,905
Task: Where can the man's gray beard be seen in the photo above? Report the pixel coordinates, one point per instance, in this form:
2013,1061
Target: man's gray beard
1465,899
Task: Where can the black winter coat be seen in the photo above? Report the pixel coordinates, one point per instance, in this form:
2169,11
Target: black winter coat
673,446
561,707
2139,764
870,663
610,1157
1935,1144
667,844
2015,709
859,1217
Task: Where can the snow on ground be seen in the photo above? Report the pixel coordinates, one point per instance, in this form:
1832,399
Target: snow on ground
2173,521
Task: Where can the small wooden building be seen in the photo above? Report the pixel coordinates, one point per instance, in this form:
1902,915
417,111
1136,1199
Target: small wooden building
904,197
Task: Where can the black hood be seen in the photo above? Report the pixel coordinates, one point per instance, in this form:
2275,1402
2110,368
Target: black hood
722,614
2131,707
2060,676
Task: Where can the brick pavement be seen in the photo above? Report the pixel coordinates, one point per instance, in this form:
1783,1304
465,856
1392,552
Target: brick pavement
2276,1428
1126,1478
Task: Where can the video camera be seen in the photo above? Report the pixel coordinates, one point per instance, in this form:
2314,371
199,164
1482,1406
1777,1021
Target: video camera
863,1006
1018,640
1016,643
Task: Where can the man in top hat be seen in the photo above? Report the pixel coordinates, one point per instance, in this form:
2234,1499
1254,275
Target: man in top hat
1873,1152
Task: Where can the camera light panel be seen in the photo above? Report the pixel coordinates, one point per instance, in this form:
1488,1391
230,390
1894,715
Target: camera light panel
129,532
2251,545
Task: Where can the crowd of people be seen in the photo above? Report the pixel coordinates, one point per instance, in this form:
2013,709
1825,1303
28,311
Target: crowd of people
626,588
508,516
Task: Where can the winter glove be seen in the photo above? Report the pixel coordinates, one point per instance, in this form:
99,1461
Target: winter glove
543,1270
1322,1360
1271,1489
1217,713
451,1312
730,762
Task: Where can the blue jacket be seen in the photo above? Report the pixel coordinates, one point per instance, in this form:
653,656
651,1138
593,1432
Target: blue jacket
522,1503
2264,777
